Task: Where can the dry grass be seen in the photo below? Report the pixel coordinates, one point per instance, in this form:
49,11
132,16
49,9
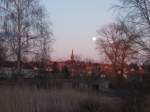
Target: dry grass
17,99
147,103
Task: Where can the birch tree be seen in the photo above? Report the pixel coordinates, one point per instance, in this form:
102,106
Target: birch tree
23,26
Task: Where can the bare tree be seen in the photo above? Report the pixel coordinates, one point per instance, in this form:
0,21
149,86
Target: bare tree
88,60
23,26
117,42
137,12
78,58
44,50
3,51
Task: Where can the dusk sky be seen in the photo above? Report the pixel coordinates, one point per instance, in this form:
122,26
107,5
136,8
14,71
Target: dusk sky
75,23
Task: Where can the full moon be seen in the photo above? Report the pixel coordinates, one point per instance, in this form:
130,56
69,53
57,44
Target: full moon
94,38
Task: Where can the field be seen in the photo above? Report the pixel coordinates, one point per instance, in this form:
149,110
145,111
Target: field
57,95
28,99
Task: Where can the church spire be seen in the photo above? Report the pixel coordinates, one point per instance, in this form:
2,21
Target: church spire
72,56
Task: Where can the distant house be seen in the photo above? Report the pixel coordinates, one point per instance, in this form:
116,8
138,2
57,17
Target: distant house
77,68
105,67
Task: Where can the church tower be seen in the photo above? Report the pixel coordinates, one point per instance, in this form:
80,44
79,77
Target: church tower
72,56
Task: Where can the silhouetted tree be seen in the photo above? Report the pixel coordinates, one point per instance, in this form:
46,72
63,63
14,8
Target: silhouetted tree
55,68
137,12
23,26
134,66
147,66
78,58
117,42
66,72
3,51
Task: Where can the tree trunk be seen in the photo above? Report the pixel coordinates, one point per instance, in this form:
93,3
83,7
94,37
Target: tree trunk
19,38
